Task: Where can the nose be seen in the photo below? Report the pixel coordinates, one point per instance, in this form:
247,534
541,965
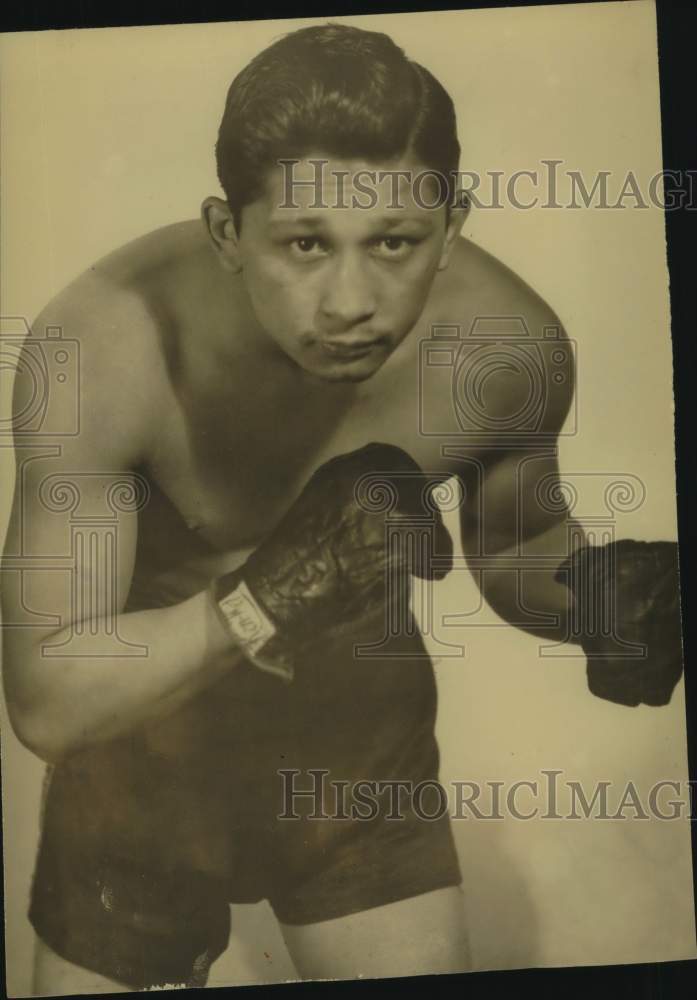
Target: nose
348,297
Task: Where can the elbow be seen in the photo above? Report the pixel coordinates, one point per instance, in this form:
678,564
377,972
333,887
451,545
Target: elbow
40,735
45,721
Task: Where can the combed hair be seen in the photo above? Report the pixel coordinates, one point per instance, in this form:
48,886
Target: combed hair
336,89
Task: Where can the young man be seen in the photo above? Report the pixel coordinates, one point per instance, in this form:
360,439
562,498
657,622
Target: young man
257,382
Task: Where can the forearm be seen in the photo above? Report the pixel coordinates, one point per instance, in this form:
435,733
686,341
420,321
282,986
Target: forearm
78,700
520,586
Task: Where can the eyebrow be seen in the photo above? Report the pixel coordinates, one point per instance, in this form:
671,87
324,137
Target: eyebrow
315,222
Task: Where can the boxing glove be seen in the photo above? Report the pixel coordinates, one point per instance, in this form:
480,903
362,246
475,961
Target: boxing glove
346,547
627,618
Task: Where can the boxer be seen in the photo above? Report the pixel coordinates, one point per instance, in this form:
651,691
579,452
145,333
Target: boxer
248,374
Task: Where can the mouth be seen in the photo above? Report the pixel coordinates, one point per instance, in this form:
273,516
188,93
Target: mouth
350,350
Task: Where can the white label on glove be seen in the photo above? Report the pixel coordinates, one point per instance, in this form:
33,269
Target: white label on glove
246,619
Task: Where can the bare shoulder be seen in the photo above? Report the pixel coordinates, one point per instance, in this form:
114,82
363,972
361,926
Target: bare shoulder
478,278
514,335
106,329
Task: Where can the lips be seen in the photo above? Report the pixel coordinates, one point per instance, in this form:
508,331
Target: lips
349,348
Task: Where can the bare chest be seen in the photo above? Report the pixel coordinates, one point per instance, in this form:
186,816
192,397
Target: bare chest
228,464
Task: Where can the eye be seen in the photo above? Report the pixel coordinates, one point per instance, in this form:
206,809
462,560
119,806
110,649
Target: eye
307,246
394,247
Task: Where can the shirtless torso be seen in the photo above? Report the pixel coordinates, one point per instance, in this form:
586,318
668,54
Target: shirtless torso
225,431
228,436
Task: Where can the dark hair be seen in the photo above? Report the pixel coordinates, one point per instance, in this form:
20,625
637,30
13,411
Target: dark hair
335,89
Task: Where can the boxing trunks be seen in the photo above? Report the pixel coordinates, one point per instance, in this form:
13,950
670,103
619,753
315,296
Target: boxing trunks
146,839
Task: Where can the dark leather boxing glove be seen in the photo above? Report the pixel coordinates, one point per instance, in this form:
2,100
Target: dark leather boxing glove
346,546
628,592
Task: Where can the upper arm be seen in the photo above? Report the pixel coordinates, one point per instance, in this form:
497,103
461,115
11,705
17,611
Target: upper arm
70,545
517,498
513,484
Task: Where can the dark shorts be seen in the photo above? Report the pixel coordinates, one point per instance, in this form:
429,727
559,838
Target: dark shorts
146,840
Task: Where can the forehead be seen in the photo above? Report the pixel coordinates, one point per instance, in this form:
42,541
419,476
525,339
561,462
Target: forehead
319,185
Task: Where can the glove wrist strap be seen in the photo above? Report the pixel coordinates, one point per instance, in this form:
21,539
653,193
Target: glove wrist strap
248,624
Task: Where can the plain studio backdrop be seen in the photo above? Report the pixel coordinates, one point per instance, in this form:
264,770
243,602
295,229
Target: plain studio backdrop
109,134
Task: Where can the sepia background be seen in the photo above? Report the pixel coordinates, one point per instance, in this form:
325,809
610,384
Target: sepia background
108,134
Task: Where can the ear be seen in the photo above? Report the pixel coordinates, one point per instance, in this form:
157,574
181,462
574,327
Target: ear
220,226
456,220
